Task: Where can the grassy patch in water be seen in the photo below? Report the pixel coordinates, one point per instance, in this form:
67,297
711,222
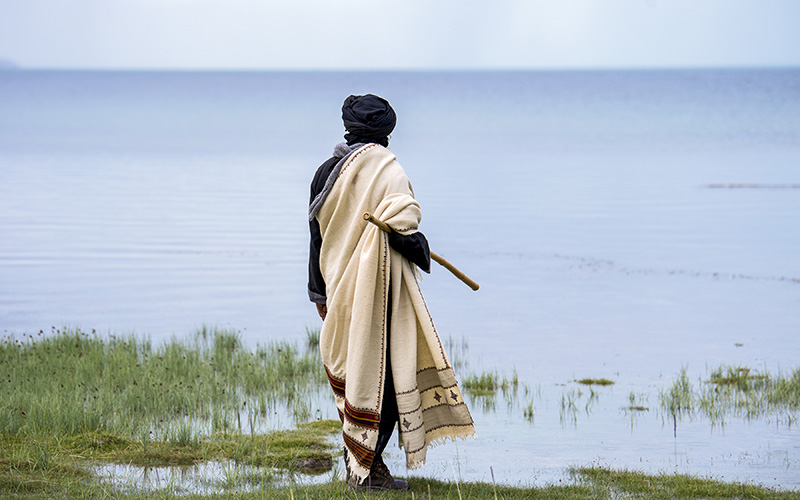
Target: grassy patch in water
482,389
47,467
735,391
590,483
304,449
737,376
489,383
71,382
71,397
636,403
595,381
679,397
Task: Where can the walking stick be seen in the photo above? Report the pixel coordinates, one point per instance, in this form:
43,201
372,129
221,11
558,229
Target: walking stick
435,256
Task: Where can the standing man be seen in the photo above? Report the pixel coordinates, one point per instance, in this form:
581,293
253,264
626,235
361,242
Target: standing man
383,356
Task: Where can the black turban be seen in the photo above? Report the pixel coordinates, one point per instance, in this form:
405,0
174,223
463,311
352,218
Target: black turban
368,117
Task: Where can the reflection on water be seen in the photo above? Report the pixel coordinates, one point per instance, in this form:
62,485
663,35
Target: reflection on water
204,478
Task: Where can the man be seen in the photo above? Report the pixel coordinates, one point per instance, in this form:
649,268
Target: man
383,356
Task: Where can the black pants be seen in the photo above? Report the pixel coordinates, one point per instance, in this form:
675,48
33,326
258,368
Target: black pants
389,411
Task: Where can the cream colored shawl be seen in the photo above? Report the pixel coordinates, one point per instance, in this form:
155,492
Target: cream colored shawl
358,266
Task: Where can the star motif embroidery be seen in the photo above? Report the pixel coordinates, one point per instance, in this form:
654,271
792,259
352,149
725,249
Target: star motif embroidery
364,436
406,423
437,397
453,395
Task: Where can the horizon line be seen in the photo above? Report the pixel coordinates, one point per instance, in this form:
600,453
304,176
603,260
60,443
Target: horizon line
12,67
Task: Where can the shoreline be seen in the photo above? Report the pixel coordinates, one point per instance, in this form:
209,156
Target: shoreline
209,403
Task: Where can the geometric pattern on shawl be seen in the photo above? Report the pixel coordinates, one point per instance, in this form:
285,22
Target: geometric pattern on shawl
358,266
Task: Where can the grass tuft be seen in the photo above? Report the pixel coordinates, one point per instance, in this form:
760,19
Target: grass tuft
71,383
489,383
595,381
736,391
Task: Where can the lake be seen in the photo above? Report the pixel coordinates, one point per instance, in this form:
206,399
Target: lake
622,224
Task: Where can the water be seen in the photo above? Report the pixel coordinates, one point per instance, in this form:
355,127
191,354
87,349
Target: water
582,202
205,478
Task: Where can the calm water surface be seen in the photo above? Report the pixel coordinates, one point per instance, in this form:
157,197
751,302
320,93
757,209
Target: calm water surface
621,225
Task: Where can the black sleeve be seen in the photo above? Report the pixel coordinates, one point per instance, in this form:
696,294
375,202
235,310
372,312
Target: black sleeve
316,284
413,247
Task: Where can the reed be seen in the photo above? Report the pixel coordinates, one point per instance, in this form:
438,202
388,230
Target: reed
312,338
490,383
529,411
70,382
636,403
483,389
569,409
679,398
735,391
458,352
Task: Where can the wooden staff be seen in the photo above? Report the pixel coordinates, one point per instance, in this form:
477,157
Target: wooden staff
438,258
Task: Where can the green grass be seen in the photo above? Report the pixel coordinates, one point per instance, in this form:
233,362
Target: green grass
312,338
482,389
70,382
679,398
44,467
636,403
489,383
735,391
588,484
529,411
485,383
595,381
607,484
287,449
737,376
72,399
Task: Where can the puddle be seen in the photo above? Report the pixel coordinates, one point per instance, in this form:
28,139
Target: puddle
204,478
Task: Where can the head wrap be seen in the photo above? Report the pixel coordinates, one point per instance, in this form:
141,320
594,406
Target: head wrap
368,117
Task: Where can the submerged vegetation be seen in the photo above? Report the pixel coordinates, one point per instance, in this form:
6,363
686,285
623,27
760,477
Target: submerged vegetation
636,403
482,389
735,391
33,464
71,382
595,381
489,383
71,397
239,484
73,402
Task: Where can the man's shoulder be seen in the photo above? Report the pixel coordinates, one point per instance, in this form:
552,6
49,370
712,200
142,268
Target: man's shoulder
321,175
372,152
326,167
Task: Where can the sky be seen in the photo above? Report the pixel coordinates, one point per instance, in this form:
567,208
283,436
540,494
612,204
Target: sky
398,34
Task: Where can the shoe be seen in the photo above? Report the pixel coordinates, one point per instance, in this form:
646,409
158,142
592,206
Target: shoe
379,479
380,470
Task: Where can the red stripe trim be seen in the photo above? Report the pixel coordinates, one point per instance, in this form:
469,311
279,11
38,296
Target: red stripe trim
337,384
360,417
361,453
